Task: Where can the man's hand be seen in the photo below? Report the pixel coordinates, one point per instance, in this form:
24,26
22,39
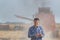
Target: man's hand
38,35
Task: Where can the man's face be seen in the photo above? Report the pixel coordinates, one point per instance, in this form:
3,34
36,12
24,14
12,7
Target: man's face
36,22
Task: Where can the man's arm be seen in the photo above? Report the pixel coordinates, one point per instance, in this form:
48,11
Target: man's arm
30,34
42,32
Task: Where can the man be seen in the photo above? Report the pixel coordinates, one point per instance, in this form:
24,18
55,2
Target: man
36,32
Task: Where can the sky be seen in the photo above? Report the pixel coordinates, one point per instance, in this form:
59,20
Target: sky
26,8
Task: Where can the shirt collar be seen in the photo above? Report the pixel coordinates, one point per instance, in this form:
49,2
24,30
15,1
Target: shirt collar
35,27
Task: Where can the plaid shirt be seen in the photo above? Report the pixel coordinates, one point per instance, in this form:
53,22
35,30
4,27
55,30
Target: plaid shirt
33,31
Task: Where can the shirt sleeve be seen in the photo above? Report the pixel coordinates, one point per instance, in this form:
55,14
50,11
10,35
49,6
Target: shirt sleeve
30,34
42,32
